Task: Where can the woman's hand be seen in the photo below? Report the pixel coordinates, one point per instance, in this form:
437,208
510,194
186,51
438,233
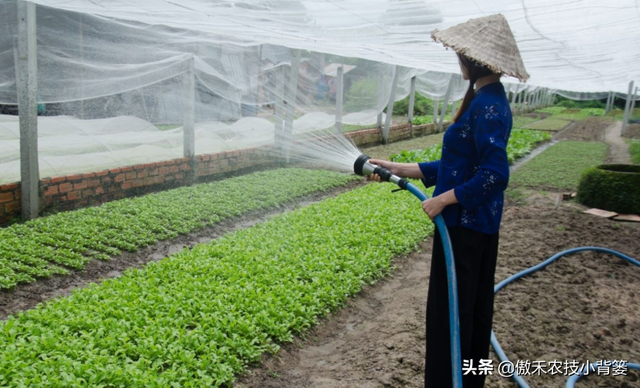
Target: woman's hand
391,166
434,206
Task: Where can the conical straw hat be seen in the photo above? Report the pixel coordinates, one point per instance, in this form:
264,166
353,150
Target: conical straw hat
488,41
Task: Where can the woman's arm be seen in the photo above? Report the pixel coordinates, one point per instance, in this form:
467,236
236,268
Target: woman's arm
405,170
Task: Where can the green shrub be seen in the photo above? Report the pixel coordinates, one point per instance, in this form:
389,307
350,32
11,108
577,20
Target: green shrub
614,187
422,106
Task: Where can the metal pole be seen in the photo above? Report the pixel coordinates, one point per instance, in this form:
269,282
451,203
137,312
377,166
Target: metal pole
188,124
412,98
445,102
435,111
609,102
513,98
380,94
392,97
290,103
633,102
339,98
626,109
279,108
27,85
454,109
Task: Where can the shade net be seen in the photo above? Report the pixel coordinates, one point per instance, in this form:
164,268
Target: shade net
115,78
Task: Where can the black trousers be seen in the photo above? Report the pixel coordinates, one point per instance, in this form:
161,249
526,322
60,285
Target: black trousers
475,255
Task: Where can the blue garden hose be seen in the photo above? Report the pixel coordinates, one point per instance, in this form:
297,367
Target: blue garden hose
494,341
364,168
454,315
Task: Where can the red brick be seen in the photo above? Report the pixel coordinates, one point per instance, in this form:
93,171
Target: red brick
80,186
107,180
99,191
139,166
74,195
87,193
89,175
153,171
10,186
137,183
158,179
6,197
126,186
44,181
115,170
130,175
118,178
74,177
51,190
102,173
179,176
65,187
126,169
13,207
148,181
164,170
93,183
143,174
58,179
17,194
174,169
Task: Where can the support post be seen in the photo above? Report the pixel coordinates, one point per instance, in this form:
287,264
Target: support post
339,98
279,108
633,102
290,103
380,94
188,124
436,103
454,109
27,84
445,103
627,105
412,98
513,97
392,97
608,108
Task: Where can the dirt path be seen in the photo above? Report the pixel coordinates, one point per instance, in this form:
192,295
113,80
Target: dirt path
27,296
618,148
580,308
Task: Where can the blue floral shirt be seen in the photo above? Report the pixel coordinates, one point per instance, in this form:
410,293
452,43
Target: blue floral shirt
474,162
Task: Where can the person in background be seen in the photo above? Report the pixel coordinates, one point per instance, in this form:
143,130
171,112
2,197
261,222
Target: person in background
470,179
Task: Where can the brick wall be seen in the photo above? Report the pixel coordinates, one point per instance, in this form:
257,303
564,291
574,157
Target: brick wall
9,201
82,190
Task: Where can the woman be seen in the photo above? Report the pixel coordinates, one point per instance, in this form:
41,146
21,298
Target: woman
470,180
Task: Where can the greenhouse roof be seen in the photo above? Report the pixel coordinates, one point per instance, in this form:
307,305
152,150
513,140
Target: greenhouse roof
582,46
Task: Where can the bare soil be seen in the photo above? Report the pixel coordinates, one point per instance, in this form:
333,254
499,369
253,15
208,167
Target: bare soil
591,129
633,131
27,296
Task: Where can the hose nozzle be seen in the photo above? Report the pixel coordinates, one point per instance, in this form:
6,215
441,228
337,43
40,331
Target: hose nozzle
362,167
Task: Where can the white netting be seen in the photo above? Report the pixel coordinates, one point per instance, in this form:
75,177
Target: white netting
113,75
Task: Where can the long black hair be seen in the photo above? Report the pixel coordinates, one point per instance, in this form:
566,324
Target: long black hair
475,72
